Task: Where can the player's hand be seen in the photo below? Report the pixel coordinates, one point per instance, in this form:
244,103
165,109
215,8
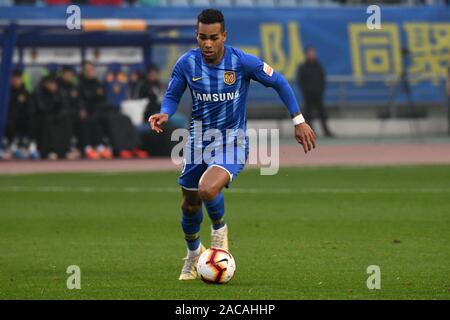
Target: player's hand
305,136
157,120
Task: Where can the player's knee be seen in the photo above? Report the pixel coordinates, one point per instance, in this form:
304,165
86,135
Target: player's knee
191,207
208,192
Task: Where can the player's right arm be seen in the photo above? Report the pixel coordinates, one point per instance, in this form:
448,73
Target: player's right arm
169,105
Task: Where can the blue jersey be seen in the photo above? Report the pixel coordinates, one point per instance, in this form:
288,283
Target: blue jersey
219,92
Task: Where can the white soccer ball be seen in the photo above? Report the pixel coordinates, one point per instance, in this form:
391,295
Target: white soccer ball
216,266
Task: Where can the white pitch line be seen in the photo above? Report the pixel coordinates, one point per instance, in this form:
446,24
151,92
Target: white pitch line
85,189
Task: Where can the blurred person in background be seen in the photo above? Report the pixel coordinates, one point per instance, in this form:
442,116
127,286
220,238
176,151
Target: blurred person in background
135,80
151,89
69,91
116,85
53,120
125,139
311,78
93,100
20,131
27,79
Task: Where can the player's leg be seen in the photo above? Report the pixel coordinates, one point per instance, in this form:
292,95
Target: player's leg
191,220
210,192
192,217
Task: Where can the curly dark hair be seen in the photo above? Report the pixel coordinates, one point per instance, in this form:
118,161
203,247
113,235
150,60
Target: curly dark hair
210,16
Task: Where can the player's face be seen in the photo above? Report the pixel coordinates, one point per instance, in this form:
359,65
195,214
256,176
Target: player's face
211,41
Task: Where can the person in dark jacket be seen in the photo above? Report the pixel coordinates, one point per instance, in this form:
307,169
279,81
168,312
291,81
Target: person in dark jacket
78,115
20,130
135,75
94,106
311,78
53,120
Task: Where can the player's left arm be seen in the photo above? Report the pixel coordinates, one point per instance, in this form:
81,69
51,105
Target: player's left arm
260,71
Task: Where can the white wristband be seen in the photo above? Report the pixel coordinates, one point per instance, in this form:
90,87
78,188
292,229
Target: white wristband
298,119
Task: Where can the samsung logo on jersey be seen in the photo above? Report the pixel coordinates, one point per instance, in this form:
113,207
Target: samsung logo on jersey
215,97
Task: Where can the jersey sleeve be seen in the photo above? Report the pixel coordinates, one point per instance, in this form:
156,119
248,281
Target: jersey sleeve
175,90
258,70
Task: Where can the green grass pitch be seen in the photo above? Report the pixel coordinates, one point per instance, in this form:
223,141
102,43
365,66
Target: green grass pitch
305,233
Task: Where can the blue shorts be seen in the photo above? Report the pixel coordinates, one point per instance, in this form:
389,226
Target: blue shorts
192,172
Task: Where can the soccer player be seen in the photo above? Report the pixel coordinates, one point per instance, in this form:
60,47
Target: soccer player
218,77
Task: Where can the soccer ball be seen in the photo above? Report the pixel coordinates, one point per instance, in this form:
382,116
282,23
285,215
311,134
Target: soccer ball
216,266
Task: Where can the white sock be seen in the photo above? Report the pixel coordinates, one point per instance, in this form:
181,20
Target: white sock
220,229
194,253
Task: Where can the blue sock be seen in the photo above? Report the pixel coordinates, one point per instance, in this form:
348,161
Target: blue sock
191,227
216,211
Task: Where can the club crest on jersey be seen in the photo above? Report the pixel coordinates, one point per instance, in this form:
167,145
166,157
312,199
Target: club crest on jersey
229,77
